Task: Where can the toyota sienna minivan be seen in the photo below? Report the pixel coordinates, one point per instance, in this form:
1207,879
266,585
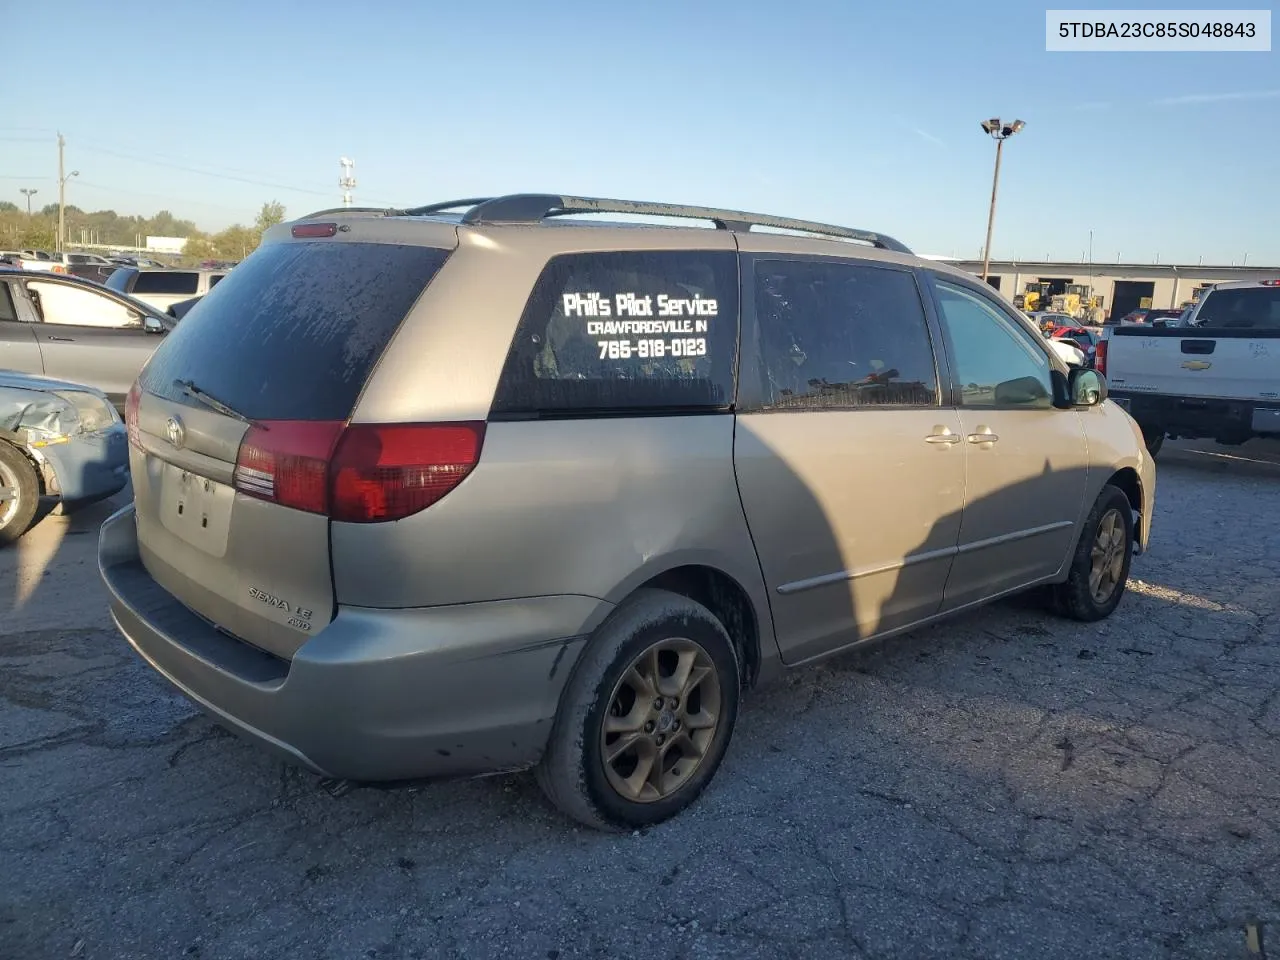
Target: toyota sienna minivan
500,484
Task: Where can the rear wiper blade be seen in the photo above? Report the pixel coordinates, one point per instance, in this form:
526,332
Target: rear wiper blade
189,388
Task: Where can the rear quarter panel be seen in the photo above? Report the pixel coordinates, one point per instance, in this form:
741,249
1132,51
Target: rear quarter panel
570,507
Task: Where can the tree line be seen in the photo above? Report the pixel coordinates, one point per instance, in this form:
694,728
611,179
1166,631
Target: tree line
20,231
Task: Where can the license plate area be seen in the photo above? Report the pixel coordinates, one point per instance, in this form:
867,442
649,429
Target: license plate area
196,509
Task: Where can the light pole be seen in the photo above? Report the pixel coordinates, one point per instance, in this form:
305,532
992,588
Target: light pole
62,197
28,192
1000,133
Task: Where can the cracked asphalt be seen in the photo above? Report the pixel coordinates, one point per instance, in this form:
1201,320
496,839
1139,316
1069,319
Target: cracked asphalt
1005,785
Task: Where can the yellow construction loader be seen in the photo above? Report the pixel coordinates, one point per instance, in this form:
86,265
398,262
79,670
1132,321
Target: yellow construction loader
1034,296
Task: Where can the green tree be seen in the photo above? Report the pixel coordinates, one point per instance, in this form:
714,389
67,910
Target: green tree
236,243
8,206
270,214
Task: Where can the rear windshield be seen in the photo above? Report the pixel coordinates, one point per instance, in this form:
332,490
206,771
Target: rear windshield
626,332
1242,308
167,281
294,331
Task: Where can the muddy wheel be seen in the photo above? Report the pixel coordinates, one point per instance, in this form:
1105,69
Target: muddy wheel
1100,565
647,716
19,494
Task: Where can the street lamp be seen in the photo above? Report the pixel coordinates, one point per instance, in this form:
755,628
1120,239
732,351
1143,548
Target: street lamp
999,133
62,204
28,192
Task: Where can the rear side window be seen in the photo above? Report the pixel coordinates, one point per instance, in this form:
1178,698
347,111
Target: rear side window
294,331
839,336
166,281
623,332
1242,308
7,311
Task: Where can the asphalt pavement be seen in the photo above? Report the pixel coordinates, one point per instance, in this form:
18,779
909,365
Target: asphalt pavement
1007,785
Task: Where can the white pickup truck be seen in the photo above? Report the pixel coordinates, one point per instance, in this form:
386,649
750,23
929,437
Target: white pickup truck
1214,373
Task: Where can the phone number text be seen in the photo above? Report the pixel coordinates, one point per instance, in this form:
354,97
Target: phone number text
652,349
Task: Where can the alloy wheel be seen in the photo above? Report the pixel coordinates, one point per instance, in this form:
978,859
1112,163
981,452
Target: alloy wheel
662,718
1107,556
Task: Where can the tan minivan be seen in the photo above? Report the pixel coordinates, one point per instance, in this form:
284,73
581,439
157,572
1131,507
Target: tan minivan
491,485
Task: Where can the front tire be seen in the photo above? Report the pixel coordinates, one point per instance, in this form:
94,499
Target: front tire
19,494
647,716
1100,564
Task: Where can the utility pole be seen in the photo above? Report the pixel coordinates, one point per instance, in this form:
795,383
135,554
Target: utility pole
28,192
348,180
62,195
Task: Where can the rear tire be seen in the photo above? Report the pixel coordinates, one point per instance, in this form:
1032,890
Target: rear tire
19,493
1100,564
633,744
1153,437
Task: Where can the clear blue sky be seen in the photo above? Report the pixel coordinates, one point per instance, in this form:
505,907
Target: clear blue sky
865,114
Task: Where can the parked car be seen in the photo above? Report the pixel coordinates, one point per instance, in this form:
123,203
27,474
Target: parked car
1071,353
1048,321
1086,338
182,307
26,260
163,288
76,330
1145,315
1214,377
58,440
446,493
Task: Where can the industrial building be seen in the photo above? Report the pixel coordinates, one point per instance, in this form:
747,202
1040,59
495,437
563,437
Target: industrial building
1122,286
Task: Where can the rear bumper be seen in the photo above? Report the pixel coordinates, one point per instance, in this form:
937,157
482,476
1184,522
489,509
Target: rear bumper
378,694
1200,417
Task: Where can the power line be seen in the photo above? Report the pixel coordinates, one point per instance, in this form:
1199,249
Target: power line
206,173
168,198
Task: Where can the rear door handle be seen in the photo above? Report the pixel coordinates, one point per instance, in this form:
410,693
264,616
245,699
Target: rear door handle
942,435
62,339
983,438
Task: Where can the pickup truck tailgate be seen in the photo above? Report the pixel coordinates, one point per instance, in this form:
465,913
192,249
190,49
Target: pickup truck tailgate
1179,361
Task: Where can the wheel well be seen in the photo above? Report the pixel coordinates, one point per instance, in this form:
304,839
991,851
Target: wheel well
725,598
40,478
1127,480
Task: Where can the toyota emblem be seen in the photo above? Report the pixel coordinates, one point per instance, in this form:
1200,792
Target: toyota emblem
175,431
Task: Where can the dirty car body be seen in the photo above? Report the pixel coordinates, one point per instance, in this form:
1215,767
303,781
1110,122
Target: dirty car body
411,491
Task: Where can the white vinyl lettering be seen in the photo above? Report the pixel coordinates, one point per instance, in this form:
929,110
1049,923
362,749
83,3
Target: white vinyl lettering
616,321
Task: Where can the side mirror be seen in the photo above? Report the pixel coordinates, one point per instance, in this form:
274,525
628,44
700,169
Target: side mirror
1087,388
152,325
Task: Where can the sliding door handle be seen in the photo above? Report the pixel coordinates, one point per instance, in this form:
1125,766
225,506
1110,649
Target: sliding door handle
984,438
943,436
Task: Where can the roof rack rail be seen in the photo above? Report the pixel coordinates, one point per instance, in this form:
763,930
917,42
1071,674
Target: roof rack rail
430,208
330,211
533,207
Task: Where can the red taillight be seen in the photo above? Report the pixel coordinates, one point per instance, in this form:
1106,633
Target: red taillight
287,462
362,473
387,472
131,414
1270,283
315,230
1100,357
